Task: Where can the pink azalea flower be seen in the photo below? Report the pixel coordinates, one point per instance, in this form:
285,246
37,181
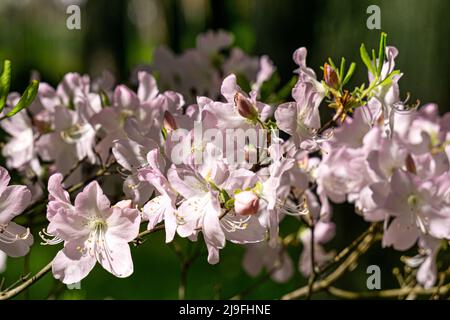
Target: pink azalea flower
58,198
201,208
416,211
246,203
266,70
390,155
343,174
270,217
212,41
371,197
344,170
72,85
259,256
196,72
146,109
352,132
423,131
20,151
125,104
307,83
425,261
73,92
443,188
72,140
427,273
15,240
323,232
161,207
386,100
92,231
301,118
240,63
239,226
227,114
131,155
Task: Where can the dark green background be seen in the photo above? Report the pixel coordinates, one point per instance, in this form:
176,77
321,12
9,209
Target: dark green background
118,35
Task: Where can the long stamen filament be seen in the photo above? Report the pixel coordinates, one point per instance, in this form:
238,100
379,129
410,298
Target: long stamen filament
9,237
48,238
231,225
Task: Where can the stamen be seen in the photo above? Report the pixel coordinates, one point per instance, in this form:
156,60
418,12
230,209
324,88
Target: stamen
403,107
180,218
124,173
9,237
422,223
48,238
288,207
231,225
74,133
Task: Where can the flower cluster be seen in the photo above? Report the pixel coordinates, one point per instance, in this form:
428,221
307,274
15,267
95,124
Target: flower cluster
218,158
402,180
199,71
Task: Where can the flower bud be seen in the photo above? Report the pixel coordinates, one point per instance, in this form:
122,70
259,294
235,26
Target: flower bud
330,76
169,122
246,203
245,107
410,164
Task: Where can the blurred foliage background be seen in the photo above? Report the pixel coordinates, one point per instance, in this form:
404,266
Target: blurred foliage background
121,34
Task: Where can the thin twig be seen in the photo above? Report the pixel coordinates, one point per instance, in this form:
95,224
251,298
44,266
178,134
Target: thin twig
100,173
365,244
139,239
11,293
313,275
14,292
389,293
73,169
290,239
344,252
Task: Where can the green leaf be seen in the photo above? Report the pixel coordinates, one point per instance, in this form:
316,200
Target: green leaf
104,99
331,62
223,196
342,70
164,133
26,99
366,59
381,52
349,74
229,204
389,78
5,81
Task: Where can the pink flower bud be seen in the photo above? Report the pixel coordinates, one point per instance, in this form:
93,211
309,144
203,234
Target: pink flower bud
246,203
410,164
169,122
245,107
330,76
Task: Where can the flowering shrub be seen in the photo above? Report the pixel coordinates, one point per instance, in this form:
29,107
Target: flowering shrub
224,155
